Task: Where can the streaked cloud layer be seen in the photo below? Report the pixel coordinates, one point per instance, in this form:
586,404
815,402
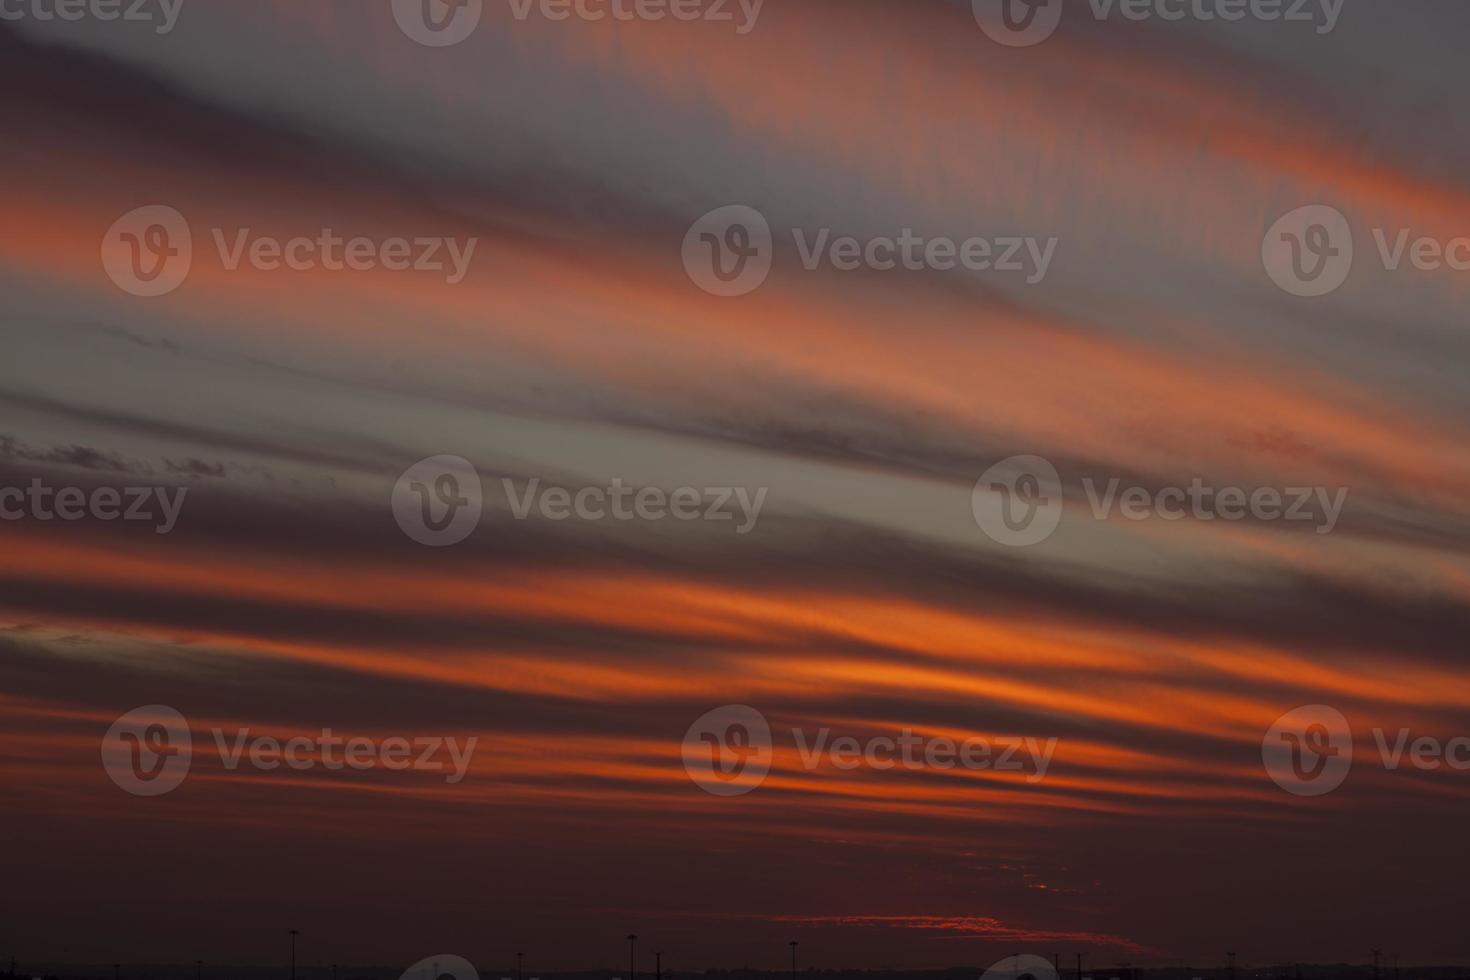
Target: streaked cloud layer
865,600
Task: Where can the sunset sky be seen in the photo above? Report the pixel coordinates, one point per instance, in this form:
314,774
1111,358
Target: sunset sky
866,599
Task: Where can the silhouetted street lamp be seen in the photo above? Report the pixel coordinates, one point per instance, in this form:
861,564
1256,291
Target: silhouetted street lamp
293,952
632,943
518,965
793,944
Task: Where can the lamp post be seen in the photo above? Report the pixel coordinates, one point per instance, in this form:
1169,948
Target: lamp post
293,933
658,965
198,970
632,944
518,965
793,944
